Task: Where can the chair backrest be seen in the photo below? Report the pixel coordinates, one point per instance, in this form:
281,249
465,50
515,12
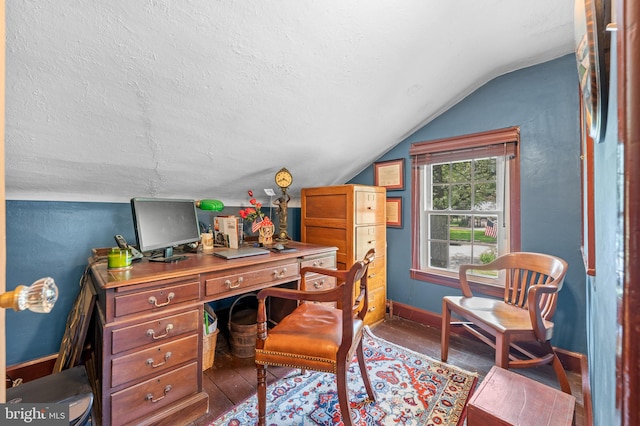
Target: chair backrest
353,307
521,270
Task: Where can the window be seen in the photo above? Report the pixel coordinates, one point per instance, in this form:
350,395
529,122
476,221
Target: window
465,204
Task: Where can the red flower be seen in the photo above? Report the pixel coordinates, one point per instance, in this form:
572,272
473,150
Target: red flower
253,213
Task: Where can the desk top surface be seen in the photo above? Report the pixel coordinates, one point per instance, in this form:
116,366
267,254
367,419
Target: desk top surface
196,263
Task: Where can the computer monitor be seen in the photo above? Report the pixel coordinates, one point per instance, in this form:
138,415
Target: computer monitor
161,224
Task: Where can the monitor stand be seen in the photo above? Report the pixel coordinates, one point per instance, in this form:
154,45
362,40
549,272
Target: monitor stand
167,256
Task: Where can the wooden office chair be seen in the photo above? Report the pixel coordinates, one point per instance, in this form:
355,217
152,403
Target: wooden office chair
317,336
532,282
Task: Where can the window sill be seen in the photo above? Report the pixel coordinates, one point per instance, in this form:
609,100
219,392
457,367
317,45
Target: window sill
476,287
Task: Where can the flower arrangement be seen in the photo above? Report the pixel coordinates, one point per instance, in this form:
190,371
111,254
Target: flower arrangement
254,214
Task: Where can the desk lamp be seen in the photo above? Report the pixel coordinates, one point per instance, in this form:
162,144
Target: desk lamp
38,297
214,205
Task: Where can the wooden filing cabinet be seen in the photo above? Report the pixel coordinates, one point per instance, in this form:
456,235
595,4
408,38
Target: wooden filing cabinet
353,219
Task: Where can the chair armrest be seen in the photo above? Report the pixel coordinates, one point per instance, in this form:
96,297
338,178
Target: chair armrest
464,284
534,295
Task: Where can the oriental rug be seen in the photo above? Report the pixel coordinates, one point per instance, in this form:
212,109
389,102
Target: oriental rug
410,388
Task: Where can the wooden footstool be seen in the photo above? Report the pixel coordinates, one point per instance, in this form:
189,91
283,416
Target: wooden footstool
507,398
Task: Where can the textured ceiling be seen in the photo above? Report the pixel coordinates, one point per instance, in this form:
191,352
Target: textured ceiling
110,99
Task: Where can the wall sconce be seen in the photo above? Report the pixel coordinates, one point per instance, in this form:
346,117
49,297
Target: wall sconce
38,297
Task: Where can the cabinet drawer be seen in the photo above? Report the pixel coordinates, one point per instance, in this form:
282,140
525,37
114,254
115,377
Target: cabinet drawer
377,306
377,274
156,299
368,237
154,331
328,262
370,208
154,394
248,279
154,360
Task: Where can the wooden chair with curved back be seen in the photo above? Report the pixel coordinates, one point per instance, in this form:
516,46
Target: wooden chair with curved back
317,336
532,282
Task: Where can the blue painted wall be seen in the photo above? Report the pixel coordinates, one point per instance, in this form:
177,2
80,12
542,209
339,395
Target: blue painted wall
543,101
55,239
605,288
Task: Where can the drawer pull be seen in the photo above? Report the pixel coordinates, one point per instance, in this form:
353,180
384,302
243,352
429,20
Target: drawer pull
151,333
318,263
153,365
318,284
371,309
150,397
280,274
237,284
371,275
154,301
371,242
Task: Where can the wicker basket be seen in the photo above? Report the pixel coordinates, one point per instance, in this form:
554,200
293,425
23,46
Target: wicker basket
209,349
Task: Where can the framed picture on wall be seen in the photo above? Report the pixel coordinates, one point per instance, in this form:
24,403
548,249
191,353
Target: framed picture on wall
592,56
389,174
394,212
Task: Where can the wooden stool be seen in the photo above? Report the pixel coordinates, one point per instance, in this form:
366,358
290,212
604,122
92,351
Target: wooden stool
507,398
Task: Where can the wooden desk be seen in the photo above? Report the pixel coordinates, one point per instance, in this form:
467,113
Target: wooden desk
507,398
147,334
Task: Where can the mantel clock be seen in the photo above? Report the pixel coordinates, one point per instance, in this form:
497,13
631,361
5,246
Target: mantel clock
283,180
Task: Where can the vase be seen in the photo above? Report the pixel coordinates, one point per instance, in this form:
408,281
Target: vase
266,234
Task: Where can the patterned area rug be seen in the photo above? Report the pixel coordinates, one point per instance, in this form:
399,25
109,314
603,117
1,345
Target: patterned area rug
411,389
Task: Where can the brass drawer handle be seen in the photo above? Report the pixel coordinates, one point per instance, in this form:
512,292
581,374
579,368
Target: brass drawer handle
318,284
151,363
318,263
154,301
371,275
237,284
371,309
149,396
280,274
151,333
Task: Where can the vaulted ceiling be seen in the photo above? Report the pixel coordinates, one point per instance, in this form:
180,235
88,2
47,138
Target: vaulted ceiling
110,99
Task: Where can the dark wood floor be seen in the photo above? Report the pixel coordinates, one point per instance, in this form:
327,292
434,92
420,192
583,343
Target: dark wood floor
232,380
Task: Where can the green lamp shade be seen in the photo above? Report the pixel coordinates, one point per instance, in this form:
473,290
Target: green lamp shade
214,205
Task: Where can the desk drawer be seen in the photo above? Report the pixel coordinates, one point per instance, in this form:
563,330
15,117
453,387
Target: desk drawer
317,282
328,262
154,360
156,299
250,279
155,331
154,394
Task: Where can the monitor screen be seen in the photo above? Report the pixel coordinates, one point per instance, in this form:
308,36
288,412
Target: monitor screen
161,224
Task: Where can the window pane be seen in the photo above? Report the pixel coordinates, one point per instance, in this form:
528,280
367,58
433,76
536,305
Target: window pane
440,199
485,169
461,197
439,254
460,228
459,254
461,172
439,226
485,196
440,173
490,232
